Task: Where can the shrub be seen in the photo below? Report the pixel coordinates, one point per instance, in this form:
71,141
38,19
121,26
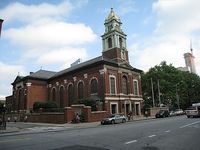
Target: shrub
37,105
45,105
51,104
89,102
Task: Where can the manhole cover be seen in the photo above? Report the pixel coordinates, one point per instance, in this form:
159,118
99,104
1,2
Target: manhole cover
80,147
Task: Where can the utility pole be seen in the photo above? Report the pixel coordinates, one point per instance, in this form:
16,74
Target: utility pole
177,97
152,91
159,93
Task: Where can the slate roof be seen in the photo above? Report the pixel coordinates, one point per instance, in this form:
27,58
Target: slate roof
96,60
42,74
48,75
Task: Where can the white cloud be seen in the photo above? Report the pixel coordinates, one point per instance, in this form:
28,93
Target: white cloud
67,55
46,33
8,71
177,17
51,34
177,21
31,13
8,74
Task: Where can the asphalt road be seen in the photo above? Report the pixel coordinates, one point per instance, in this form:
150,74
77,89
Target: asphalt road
174,133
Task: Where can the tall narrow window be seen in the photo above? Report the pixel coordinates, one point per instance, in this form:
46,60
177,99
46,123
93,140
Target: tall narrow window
120,43
112,85
70,94
80,90
109,42
20,100
124,85
135,87
61,97
54,94
93,86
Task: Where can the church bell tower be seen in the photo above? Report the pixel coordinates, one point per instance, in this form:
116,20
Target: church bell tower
114,40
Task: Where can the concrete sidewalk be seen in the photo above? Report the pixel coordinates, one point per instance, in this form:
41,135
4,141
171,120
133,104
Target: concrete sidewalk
28,127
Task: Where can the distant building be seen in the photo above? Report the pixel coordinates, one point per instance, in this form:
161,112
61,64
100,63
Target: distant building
183,68
108,79
189,63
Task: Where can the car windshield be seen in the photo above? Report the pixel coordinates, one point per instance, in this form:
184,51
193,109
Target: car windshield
191,108
111,116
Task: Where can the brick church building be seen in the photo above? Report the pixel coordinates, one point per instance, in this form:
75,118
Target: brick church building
109,79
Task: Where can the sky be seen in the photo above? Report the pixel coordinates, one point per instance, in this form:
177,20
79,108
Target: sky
52,34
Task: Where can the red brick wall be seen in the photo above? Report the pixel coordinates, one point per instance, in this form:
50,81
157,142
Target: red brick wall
36,92
92,72
97,116
115,54
47,118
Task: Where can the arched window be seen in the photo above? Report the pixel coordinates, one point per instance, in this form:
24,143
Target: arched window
70,94
80,90
120,42
135,87
53,94
109,42
93,86
61,97
124,85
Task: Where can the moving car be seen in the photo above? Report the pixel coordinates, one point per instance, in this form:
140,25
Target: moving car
112,119
162,114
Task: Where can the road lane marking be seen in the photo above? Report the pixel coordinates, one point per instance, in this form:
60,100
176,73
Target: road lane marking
189,124
133,141
151,136
167,131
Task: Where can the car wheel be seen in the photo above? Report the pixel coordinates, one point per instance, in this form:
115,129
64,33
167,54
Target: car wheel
113,122
123,121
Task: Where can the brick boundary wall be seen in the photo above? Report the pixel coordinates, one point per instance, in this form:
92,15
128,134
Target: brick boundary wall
62,117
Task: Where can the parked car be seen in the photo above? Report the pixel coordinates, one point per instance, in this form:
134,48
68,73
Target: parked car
172,113
179,112
176,112
112,119
162,114
193,111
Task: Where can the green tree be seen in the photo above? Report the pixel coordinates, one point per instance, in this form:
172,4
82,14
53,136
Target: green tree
171,81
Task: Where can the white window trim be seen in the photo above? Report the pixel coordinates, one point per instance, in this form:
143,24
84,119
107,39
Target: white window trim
112,76
134,88
114,103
